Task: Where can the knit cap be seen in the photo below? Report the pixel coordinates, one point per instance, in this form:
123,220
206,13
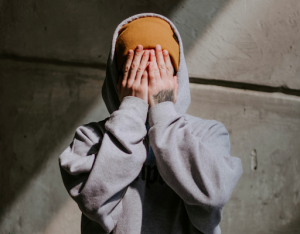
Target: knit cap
147,31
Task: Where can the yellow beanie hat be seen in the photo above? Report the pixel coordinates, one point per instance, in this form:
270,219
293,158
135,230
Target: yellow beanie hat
147,31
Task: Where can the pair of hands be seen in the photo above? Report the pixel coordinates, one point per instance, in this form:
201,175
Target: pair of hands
148,75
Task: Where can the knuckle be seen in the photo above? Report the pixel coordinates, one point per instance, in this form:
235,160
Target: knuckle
126,68
162,66
169,68
133,66
128,86
141,89
135,87
140,69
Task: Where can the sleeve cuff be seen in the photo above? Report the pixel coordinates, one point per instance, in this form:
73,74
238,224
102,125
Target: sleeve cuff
137,105
161,112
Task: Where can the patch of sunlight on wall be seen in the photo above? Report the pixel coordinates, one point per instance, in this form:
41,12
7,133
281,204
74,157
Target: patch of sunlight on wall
67,220
33,205
250,41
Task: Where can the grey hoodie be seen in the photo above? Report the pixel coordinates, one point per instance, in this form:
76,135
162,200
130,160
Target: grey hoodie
156,170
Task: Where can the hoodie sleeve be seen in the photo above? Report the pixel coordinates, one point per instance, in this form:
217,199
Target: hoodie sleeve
195,162
103,159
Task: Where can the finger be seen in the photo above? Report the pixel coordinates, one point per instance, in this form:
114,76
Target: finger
160,62
127,65
169,65
142,66
155,70
144,80
151,74
152,56
147,65
135,64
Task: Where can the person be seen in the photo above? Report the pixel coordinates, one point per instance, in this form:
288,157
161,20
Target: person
149,167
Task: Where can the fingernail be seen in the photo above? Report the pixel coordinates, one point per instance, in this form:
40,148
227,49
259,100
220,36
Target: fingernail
139,47
158,47
152,52
165,52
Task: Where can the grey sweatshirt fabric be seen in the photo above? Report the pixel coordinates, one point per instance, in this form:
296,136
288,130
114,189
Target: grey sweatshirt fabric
156,170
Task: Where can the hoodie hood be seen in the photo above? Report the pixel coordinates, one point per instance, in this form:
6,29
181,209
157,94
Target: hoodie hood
109,88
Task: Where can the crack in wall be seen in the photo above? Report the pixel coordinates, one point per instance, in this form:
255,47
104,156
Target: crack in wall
246,86
52,61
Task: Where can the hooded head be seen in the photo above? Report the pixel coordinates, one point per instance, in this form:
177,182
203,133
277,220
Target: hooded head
109,88
148,31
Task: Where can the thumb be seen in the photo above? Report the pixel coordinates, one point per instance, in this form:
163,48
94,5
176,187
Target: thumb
176,87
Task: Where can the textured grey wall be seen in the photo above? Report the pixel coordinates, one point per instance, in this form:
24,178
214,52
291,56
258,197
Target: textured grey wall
52,63
41,106
266,200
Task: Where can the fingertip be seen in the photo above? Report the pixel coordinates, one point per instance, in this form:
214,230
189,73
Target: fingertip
158,47
152,57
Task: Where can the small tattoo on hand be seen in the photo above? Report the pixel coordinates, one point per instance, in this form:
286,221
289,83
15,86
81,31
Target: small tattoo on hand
164,95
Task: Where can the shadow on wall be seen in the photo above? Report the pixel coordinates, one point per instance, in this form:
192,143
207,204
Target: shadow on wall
41,105
80,31
292,227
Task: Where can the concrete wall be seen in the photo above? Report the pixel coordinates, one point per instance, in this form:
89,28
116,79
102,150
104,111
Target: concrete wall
266,200
52,65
